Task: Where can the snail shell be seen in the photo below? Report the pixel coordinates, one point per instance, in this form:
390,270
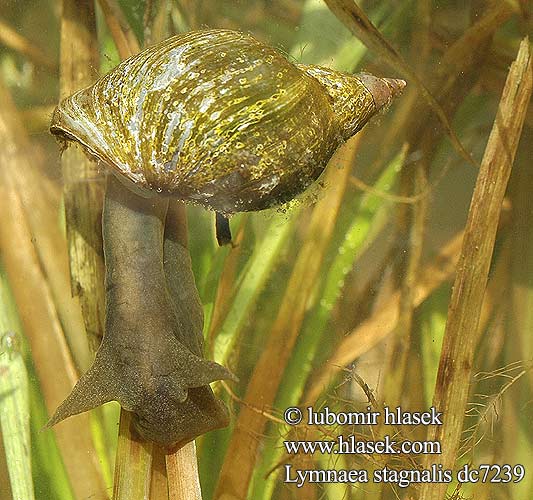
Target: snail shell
218,118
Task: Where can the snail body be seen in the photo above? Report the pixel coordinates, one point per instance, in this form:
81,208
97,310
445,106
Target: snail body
150,359
218,118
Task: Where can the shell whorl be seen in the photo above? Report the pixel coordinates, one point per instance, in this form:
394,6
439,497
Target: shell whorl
216,117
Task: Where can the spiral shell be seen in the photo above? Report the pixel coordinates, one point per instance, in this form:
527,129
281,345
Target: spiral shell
218,118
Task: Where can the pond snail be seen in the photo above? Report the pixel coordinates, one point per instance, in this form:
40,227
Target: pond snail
210,117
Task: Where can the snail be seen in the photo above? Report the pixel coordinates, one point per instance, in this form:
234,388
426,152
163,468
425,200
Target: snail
210,117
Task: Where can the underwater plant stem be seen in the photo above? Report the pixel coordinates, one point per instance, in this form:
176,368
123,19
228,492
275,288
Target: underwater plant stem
180,279
182,470
133,464
182,464
82,182
461,334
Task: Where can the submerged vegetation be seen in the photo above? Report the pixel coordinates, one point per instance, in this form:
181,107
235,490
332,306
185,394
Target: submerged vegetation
403,278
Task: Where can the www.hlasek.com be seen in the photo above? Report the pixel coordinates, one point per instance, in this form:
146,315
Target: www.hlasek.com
350,445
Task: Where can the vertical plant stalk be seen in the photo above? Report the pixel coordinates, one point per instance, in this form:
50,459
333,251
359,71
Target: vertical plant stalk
455,368
155,21
123,36
82,184
159,481
182,465
183,482
133,464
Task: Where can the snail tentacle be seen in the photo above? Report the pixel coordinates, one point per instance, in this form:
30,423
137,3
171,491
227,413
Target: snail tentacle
223,230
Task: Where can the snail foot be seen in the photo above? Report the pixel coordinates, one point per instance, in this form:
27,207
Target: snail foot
163,383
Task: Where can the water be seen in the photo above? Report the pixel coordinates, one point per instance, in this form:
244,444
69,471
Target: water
338,299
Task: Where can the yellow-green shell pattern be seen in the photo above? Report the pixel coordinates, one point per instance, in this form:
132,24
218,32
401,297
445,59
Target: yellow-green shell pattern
218,118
